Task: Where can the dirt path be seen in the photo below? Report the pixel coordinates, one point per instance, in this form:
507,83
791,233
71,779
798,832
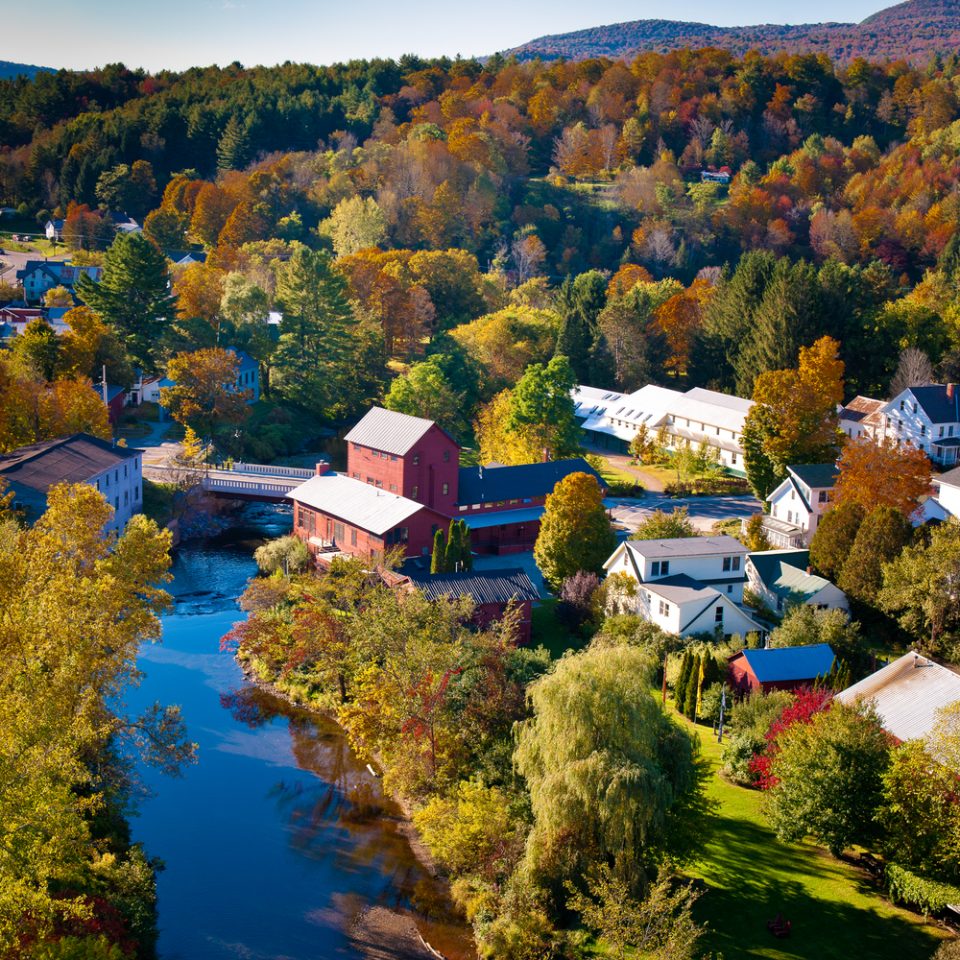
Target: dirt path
382,934
622,462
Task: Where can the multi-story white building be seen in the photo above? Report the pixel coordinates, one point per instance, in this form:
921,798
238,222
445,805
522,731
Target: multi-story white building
611,420
861,417
685,585
927,417
797,505
117,472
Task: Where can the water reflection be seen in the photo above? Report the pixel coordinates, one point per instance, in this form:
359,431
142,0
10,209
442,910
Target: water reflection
278,837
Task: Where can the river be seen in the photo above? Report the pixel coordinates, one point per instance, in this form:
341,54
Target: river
268,854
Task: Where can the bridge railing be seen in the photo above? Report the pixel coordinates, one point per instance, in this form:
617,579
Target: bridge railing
238,485
267,469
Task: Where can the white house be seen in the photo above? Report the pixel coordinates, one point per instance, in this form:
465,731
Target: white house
782,578
685,585
611,420
907,694
53,229
861,417
927,417
948,492
117,472
798,503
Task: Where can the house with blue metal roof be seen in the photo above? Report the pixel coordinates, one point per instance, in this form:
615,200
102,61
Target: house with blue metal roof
780,668
783,578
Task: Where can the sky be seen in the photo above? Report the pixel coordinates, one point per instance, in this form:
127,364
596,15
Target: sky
176,34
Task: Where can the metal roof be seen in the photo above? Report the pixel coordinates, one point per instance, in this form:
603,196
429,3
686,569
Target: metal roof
687,547
907,694
483,586
497,518
359,504
784,572
494,484
388,430
74,459
777,664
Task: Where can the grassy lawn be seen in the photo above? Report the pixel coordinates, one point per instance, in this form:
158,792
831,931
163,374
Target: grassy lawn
612,474
835,910
548,632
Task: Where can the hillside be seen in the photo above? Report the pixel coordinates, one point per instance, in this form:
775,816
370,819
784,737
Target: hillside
8,69
912,31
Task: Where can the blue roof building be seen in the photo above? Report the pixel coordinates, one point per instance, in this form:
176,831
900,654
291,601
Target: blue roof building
780,668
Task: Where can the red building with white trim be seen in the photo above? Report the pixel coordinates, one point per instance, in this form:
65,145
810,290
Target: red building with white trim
403,482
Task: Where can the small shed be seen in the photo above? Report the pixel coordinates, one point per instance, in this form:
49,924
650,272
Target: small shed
779,668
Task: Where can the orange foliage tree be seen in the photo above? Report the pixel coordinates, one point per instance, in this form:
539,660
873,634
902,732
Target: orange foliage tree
882,473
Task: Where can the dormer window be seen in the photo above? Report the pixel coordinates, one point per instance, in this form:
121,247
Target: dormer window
660,568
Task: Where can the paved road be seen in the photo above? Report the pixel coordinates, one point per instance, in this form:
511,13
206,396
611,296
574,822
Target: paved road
704,511
12,261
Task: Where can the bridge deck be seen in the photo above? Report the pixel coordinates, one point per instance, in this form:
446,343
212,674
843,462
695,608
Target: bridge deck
250,481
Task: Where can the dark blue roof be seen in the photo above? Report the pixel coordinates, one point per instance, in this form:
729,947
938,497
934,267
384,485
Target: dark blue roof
246,361
493,484
936,404
816,475
790,663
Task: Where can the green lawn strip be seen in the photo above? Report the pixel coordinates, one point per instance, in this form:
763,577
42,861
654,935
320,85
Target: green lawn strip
547,631
834,908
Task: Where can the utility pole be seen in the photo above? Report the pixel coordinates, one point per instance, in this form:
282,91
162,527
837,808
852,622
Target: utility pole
723,707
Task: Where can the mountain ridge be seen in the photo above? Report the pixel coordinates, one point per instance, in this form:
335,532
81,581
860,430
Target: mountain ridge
914,30
9,69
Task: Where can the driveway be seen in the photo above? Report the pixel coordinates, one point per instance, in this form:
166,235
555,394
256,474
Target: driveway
11,261
704,511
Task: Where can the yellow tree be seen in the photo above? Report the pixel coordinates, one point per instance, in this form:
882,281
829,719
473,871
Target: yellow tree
199,289
58,297
205,394
882,474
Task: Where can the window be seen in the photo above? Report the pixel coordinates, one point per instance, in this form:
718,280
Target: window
379,483
369,479
376,453
356,476
731,563
106,480
718,615
338,531
98,486
664,608
445,488
729,588
126,497
923,429
733,458
823,496
660,568
353,536
125,467
416,459
136,493
414,491
393,487
446,456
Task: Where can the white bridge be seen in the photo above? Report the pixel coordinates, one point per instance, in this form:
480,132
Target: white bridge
249,481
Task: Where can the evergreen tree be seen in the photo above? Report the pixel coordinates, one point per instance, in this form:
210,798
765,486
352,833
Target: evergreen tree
438,559
680,687
323,351
451,561
133,296
690,692
882,535
233,150
466,553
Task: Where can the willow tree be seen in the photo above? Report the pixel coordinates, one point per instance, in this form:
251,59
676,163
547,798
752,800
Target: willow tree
612,779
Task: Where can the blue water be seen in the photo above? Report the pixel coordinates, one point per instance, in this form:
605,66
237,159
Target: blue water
265,854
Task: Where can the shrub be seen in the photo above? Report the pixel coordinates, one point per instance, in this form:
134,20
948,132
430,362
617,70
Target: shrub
289,554
578,600
910,888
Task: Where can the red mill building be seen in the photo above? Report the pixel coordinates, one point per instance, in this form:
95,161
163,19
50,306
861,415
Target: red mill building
403,482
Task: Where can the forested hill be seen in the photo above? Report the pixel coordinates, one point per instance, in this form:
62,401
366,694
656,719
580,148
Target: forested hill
912,31
9,69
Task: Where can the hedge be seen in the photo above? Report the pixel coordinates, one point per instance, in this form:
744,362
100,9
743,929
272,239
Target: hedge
908,887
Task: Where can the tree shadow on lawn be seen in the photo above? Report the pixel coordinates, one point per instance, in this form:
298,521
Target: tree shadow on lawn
753,877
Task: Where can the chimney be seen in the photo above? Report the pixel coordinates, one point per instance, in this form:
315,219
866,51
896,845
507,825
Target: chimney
322,467
951,389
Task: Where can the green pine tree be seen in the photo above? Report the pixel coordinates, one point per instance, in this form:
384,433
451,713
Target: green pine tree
438,559
680,687
690,694
133,296
233,150
466,553
452,557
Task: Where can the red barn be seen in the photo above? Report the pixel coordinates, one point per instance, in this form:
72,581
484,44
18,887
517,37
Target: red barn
416,463
779,668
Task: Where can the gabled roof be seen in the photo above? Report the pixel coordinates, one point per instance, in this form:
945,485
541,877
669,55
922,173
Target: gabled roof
907,694
861,408
950,479
493,484
686,547
784,664
784,572
484,586
934,402
389,431
680,589
74,459
245,360
816,475
359,504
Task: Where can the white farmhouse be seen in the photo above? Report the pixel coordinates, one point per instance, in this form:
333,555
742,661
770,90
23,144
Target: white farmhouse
861,417
928,418
611,420
797,505
685,585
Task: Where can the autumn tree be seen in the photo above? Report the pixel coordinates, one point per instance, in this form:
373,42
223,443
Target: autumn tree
882,473
133,296
356,223
575,532
205,394
794,416
661,525
58,296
